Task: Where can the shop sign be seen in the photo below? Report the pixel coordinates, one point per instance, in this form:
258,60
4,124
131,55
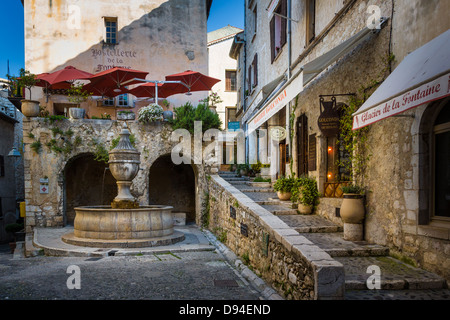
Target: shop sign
328,120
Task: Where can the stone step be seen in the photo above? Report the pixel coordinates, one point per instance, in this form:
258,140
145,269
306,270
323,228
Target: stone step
310,224
394,274
257,190
235,179
279,210
260,196
335,245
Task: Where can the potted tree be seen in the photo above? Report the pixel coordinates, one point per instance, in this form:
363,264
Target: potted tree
305,193
283,187
77,95
353,212
30,108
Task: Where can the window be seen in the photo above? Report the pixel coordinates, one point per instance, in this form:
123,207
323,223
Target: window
2,166
108,102
111,30
255,19
310,21
441,165
230,80
123,100
253,74
278,25
231,116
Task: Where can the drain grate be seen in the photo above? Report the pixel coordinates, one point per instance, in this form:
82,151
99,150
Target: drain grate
225,283
93,259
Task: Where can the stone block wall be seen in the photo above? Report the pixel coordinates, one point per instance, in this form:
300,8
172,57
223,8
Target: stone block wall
294,266
85,137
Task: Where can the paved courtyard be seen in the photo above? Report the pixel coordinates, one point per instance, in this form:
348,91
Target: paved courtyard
196,275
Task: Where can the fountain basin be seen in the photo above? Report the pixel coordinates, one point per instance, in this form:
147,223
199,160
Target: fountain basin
105,227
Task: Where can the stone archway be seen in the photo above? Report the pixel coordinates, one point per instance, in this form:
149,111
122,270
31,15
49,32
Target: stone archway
86,183
173,185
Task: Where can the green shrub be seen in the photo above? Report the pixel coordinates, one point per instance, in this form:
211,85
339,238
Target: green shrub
352,189
284,184
187,114
305,191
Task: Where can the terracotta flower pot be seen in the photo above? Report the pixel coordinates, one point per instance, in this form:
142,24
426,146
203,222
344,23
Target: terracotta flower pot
304,209
30,108
284,196
352,209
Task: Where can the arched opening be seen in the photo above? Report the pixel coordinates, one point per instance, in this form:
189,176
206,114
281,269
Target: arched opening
173,185
434,163
87,183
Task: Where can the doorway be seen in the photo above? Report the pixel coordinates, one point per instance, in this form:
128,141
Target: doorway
302,145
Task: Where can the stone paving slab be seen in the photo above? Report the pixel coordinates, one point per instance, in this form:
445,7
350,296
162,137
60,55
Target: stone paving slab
260,196
395,275
310,223
336,246
49,240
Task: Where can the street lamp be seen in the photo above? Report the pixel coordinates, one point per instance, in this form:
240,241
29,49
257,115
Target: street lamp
14,153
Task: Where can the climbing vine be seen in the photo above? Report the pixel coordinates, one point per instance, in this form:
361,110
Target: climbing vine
355,141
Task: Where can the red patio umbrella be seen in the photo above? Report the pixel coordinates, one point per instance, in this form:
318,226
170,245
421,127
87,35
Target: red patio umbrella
69,73
109,92
148,90
196,81
114,78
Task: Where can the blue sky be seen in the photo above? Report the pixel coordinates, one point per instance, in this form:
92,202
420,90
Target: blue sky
223,12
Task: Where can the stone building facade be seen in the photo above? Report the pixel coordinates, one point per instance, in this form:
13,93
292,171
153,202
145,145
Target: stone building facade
398,210
159,37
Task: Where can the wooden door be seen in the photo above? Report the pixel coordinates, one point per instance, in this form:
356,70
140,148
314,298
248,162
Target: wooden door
302,145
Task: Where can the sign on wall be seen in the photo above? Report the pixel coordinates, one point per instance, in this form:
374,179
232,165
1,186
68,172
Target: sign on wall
328,120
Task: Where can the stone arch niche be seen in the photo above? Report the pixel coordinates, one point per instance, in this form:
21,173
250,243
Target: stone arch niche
87,182
173,185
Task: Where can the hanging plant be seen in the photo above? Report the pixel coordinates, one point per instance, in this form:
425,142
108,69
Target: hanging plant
151,113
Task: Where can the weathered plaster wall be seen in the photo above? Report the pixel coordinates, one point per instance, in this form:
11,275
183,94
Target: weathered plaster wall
219,62
162,37
47,210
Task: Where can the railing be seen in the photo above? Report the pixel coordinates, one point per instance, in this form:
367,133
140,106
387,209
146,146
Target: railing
333,189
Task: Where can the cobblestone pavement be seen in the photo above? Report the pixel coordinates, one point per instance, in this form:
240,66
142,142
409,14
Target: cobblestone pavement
203,275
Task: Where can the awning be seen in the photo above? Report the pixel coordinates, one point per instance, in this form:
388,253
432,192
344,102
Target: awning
423,76
315,67
277,102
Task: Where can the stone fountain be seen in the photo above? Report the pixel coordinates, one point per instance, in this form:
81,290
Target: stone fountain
124,224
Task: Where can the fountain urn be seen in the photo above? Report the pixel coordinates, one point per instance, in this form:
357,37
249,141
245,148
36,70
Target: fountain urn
124,161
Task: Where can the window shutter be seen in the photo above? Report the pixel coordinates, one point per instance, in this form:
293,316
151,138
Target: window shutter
283,22
227,80
272,38
255,66
249,80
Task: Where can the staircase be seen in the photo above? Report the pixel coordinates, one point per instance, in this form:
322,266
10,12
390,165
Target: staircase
398,280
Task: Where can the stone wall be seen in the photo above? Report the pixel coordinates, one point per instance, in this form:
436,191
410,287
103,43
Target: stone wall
85,137
294,266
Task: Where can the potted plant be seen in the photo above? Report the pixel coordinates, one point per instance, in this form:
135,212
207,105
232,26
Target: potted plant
305,193
77,96
242,169
151,113
283,187
30,108
167,114
353,212
126,115
17,230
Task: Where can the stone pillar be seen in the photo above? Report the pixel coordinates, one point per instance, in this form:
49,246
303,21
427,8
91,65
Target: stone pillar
252,148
